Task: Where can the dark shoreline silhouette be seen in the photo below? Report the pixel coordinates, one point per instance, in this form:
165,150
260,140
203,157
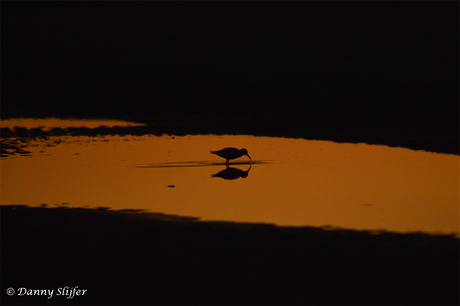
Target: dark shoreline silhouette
257,127
135,257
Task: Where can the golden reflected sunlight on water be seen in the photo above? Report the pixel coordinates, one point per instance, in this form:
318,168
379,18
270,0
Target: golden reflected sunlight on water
48,123
288,182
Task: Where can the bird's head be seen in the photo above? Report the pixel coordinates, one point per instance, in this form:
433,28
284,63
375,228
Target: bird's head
245,152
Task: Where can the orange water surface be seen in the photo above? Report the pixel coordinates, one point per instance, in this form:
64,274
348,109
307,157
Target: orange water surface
288,182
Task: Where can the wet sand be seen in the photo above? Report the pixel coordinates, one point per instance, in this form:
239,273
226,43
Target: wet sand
135,257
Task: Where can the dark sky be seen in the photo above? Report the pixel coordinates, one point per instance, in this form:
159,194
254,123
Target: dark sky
205,51
263,36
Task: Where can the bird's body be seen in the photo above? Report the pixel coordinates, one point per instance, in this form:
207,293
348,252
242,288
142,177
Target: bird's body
231,153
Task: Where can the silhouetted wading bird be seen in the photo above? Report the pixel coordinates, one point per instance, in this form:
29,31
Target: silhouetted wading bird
231,153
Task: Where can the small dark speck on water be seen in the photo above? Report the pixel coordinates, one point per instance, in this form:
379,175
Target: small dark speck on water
171,186
367,204
77,153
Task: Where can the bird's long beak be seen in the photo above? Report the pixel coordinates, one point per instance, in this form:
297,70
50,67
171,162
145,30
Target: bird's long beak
249,156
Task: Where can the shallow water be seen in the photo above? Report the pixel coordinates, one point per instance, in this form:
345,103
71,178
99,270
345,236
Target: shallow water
48,123
288,182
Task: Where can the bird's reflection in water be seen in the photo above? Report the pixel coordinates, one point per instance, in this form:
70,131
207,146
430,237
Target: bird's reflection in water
231,173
